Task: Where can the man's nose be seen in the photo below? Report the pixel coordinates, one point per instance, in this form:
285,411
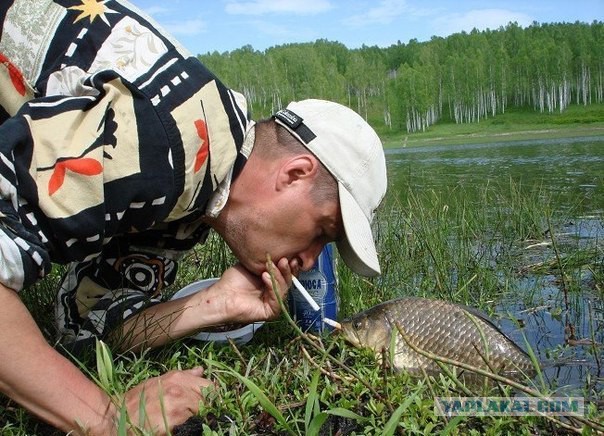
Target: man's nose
309,256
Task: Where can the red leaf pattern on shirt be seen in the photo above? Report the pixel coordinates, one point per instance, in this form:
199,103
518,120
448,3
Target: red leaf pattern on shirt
202,153
15,75
84,165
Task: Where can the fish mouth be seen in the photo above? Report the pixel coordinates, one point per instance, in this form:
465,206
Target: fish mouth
336,333
349,334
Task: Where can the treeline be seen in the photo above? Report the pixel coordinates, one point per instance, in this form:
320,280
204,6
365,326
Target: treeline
463,78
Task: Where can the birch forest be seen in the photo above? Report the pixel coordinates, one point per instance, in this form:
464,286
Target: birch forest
463,78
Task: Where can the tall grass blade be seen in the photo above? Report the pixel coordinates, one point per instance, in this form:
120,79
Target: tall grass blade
316,423
263,400
260,396
142,411
392,423
345,413
452,425
163,409
122,422
312,402
104,364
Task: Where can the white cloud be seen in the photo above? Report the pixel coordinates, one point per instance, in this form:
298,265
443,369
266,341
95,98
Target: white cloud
170,21
384,12
283,33
157,10
187,27
273,30
480,19
261,7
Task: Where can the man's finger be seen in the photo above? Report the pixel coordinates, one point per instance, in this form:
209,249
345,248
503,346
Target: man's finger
197,371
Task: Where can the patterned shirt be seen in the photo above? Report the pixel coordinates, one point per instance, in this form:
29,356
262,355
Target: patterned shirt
108,130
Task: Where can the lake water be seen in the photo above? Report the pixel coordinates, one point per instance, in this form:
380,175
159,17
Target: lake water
571,172
567,167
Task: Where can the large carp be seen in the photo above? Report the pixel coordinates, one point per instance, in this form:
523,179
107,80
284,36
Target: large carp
444,329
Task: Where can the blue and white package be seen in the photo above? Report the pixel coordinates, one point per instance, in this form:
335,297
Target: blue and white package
321,283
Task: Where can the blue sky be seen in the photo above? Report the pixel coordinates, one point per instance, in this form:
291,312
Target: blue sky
223,25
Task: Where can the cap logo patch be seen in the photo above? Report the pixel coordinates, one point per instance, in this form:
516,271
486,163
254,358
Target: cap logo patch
289,118
295,123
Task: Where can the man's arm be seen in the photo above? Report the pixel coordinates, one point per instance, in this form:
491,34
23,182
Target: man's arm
50,386
238,297
42,380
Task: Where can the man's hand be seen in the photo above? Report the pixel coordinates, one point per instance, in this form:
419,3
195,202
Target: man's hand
247,297
50,386
175,395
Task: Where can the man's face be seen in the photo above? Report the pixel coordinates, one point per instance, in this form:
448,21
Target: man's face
294,227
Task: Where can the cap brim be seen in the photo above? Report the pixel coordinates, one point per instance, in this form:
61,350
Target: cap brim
357,249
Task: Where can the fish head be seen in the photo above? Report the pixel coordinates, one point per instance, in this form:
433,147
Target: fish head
369,329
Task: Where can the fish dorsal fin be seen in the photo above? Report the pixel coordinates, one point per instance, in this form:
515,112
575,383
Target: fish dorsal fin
480,314
484,317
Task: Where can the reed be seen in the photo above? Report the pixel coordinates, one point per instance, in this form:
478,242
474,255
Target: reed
459,245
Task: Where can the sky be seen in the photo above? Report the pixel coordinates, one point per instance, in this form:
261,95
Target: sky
204,26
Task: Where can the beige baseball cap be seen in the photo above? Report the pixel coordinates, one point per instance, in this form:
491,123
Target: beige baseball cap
353,153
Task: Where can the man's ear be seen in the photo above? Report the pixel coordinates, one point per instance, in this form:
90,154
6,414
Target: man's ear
300,168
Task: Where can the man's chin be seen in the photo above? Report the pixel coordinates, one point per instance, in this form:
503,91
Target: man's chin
255,267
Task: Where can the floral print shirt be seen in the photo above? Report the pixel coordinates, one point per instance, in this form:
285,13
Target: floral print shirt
108,129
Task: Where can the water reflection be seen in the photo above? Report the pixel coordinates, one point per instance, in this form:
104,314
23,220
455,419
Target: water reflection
566,332
568,368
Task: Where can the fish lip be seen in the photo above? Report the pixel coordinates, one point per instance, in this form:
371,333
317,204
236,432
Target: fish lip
340,331
351,336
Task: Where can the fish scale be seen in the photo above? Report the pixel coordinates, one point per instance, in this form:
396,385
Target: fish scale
439,327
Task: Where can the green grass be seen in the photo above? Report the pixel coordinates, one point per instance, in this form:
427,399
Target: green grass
460,246
514,125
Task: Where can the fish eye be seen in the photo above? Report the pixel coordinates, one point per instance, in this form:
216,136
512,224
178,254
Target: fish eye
357,324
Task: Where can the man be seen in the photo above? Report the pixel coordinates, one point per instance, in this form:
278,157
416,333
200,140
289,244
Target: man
119,152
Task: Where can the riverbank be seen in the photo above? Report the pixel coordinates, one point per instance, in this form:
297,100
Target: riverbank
486,137
576,121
